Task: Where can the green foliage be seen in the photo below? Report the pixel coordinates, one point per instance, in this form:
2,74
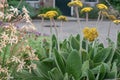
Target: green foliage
69,63
60,62
75,44
71,68
102,55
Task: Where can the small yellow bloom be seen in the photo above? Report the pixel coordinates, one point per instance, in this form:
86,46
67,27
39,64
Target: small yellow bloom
90,33
63,18
75,3
102,6
42,15
116,22
51,14
112,17
86,9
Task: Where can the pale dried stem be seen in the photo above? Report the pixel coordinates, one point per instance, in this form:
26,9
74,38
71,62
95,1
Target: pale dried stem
78,21
57,35
101,18
109,28
61,25
87,18
42,25
50,51
98,19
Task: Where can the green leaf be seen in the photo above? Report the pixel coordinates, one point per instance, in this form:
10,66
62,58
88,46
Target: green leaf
91,53
60,62
102,55
118,39
101,45
113,73
91,75
74,64
110,56
75,44
24,75
66,46
54,42
55,74
85,55
66,77
85,68
96,69
43,67
78,37
102,72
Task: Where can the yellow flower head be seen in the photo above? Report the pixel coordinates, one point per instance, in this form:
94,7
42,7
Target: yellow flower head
63,18
102,6
75,3
116,22
42,15
51,14
85,32
90,33
112,17
86,9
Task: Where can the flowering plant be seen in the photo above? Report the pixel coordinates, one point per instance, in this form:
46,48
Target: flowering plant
26,57
15,52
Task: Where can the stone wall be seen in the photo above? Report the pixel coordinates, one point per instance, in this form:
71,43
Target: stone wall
48,3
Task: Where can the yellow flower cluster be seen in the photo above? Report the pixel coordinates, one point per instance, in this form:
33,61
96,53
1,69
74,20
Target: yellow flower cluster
112,17
42,15
62,18
102,6
116,22
90,33
77,3
86,9
51,14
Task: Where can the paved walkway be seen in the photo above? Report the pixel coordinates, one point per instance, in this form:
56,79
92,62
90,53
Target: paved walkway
72,28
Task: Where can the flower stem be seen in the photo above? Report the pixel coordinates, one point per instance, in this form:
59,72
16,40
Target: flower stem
57,35
61,25
87,46
78,21
99,15
42,24
87,19
109,28
77,15
101,18
50,51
